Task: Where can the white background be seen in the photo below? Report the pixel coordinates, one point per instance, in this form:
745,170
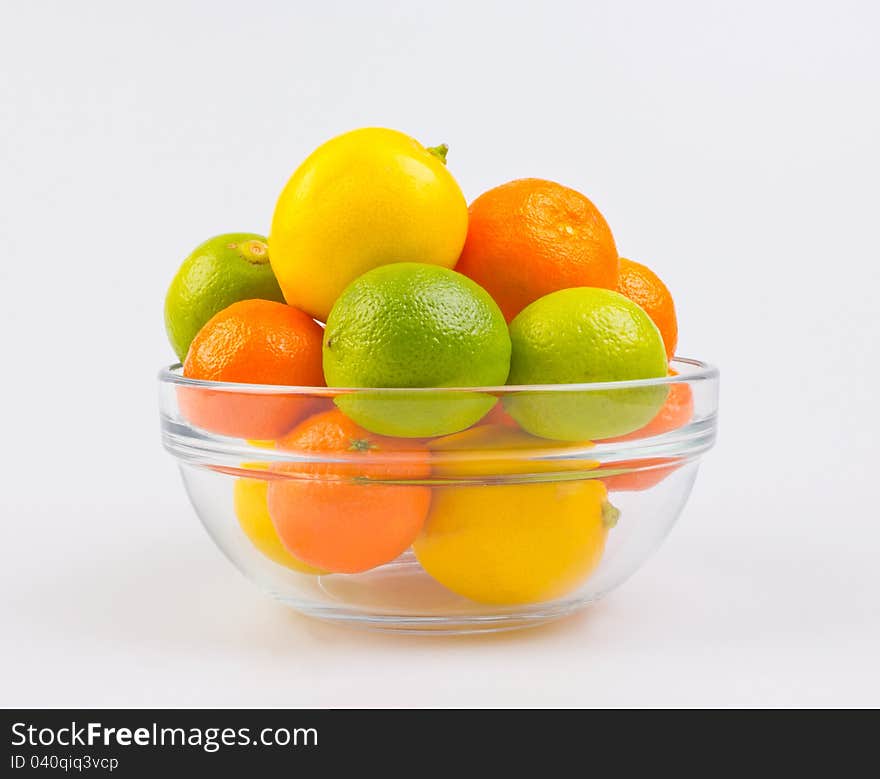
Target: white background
732,146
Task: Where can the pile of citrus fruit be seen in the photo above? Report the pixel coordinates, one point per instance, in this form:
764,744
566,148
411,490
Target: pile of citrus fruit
378,278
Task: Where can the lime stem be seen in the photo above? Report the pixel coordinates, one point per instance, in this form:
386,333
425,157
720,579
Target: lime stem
255,252
439,152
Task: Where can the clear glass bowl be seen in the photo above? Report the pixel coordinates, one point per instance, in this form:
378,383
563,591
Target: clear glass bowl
490,529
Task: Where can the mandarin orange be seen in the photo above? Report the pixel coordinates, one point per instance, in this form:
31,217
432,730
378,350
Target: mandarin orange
646,289
530,237
676,412
254,342
498,416
337,510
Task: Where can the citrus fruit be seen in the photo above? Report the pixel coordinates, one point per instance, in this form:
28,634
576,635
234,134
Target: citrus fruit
515,543
363,199
337,510
497,450
645,474
675,413
249,501
584,335
219,272
498,416
414,325
255,342
530,237
645,288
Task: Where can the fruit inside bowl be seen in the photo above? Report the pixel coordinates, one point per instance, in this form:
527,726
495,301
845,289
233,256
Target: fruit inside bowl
486,529
403,413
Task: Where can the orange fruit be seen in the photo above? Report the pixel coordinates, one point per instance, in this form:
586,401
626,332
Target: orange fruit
530,237
252,513
676,412
645,288
498,416
344,516
653,472
255,342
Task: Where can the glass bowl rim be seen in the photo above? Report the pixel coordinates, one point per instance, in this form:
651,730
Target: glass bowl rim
703,372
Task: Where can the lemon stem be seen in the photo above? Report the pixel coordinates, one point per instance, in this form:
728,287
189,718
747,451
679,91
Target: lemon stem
610,515
439,152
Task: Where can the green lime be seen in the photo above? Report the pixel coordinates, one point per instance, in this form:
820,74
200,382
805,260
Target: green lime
583,335
220,272
415,325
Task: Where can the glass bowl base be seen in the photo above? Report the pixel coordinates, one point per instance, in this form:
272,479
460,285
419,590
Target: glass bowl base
400,597
462,624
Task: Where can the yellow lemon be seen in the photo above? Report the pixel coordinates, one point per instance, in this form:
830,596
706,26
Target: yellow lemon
496,450
515,543
366,198
249,499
